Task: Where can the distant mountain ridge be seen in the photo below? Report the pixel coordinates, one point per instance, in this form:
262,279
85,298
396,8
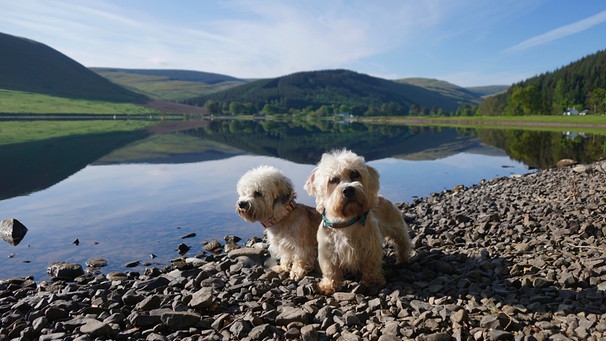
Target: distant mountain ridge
172,85
26,65
457,93
488,90
335,87
170,74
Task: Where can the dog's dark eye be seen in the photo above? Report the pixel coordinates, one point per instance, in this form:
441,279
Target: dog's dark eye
334,180
257,194
355,175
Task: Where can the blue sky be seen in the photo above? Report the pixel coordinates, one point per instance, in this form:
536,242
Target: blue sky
465,42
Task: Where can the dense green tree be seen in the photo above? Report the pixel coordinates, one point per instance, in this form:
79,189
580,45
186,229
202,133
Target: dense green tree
491,106
236,108
560,100
596,101
273,109
525,101
213,107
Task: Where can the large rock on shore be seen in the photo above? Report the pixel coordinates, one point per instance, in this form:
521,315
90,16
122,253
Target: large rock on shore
520,258
64,270
12,231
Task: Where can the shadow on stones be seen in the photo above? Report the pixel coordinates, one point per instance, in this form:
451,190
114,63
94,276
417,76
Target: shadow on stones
488,283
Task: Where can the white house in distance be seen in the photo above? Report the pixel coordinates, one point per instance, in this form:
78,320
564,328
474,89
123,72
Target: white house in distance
575,112
571,112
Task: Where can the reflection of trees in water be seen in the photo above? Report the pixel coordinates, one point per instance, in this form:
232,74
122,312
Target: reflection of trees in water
37,165
305,142
541,149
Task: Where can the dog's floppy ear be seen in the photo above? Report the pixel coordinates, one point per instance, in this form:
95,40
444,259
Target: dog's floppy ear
310,188
373,182
286,191
309,184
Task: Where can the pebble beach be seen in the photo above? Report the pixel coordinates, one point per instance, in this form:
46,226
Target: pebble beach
512,258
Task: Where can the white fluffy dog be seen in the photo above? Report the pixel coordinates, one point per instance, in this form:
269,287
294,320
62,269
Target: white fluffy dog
355,221
267,196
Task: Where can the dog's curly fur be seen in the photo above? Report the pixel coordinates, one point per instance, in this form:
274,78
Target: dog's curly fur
267,196
346,191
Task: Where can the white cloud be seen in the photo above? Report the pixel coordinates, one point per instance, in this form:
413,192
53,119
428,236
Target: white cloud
268,38
560,32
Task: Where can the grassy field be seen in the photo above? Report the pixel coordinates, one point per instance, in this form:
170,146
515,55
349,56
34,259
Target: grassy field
19,102
589,123
29,131
163,87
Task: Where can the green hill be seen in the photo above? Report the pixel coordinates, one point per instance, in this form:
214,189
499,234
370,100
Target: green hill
455,92
334,88
26,65
171,85
488,90
581,84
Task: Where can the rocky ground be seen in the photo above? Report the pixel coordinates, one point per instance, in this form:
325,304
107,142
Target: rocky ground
520,258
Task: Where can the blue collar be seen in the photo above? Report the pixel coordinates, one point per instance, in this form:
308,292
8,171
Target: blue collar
360,218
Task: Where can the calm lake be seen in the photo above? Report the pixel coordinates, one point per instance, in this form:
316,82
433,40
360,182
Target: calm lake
127,197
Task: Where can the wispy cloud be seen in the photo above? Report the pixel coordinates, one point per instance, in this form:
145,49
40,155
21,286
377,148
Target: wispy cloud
560,32
266,38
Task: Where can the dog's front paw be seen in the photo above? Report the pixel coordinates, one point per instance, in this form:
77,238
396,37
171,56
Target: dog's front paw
297,273
278,268
328,286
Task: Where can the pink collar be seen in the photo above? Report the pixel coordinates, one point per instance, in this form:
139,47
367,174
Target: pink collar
274,220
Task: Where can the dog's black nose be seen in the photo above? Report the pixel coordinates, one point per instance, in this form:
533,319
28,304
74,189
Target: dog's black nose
243,204
349,192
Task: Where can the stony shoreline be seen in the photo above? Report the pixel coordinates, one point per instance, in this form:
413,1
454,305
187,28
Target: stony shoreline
519,258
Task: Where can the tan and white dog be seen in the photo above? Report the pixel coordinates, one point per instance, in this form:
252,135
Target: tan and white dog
268,196
356,220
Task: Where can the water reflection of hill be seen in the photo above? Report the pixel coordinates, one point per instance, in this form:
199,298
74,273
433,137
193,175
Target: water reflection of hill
297,142
33,166
448,149
305,143
169,148
29,167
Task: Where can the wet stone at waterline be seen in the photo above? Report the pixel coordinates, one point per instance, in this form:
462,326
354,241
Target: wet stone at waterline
65,270
12,231
96,262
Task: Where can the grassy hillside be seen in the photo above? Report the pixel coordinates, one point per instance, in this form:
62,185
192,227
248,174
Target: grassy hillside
457,93
20,102
488,90
171,85
26,65
16,132
581,84
331,87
